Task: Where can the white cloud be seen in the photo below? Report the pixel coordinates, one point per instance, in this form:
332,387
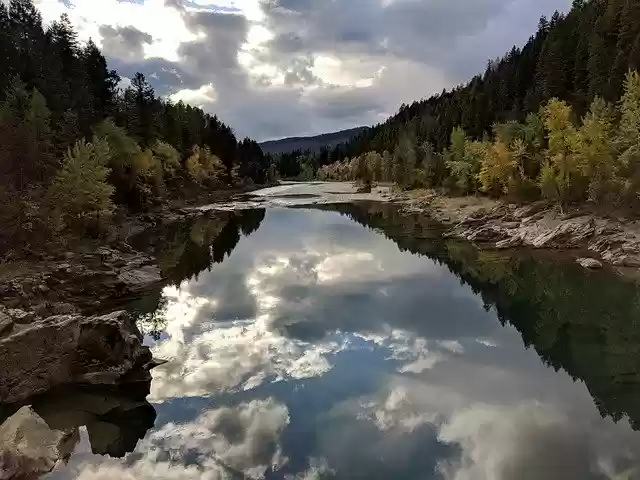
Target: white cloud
305,67
218,444
201,96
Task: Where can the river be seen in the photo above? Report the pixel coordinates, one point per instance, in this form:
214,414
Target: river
348,341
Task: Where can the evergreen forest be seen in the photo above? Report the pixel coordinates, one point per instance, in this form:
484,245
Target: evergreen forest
556,119
75,146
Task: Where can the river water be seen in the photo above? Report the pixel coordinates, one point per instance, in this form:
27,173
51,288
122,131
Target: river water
351,342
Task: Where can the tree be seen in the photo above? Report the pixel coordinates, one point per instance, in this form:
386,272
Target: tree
463,158
404,160
562,180
80,194
169,158
595,153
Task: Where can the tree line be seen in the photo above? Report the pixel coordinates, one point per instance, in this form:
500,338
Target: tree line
550,155
554,119
75,145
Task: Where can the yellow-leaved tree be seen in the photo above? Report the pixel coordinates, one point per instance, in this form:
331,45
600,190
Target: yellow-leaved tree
561,176
204,167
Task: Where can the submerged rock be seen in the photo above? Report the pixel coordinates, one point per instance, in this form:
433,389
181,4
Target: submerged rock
29,447
71,349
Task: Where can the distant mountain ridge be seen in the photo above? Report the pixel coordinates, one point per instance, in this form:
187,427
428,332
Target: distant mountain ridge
315,143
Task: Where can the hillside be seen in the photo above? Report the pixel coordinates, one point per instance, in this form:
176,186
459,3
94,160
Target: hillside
286,145
574,57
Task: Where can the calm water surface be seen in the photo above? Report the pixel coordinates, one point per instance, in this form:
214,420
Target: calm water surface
308,344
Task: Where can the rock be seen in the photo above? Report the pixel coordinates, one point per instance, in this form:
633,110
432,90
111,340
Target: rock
137,278
115,418
567,234
69,255
21,317
29,448
5,290
61,308
66,349
591,263
6,323
488,233
43,288
366,188
510,242
63,266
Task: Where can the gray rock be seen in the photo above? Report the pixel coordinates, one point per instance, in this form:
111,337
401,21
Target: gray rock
137,278
29,448
67,349
61,308
488,233
510,242
6,324
567,234
20,316
591,263
69,255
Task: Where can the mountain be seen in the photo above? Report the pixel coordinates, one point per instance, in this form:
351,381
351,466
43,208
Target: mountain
286,145
574,56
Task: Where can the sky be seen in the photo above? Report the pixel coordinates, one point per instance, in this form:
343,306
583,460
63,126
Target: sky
278,68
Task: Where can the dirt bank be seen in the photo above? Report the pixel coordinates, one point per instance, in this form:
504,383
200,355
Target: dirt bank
594,239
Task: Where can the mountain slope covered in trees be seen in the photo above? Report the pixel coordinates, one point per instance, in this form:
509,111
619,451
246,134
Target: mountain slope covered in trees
73,144
313,144
573,57
558,119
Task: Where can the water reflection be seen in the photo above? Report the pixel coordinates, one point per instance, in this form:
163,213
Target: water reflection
321,349
585,323
115,419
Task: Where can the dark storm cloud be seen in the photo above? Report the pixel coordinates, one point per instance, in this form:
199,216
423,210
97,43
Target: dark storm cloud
431,32
124,42
214,57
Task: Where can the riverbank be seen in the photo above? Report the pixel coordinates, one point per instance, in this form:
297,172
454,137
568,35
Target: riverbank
594,239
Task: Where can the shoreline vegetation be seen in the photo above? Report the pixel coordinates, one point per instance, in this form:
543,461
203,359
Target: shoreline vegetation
549,157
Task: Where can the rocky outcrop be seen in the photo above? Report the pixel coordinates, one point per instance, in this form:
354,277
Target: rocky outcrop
29,447
616,242
71,349
85,281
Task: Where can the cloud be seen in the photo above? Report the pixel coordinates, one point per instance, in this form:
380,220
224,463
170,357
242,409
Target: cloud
219,444
236,355
124,42
527,441
295,67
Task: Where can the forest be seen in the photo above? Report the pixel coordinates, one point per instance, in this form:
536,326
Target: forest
558,118
75,146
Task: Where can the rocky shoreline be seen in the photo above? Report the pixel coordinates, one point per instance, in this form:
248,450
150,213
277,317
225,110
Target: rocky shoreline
60,329
593,240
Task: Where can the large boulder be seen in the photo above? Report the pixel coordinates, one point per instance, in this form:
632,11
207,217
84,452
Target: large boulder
29,447
71,349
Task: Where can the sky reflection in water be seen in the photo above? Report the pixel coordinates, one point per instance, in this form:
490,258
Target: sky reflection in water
317,349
